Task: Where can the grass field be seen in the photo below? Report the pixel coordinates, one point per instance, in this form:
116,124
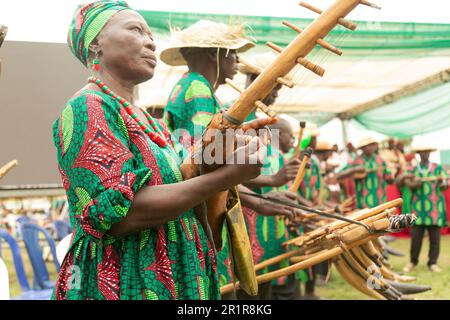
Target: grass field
336,288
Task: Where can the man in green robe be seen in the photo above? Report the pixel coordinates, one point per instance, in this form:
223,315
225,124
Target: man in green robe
427,201
370,175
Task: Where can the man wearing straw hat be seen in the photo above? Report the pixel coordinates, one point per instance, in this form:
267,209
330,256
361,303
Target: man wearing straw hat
427,200
370,175
209,49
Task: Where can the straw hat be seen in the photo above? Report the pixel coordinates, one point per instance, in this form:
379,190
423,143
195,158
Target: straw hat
423,148
365,142
204,34
323,146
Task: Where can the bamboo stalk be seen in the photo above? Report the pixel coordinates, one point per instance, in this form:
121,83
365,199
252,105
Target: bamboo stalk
365,213
367,221
277,259
295,252
298,266
296,259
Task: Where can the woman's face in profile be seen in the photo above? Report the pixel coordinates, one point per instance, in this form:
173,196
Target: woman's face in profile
127,47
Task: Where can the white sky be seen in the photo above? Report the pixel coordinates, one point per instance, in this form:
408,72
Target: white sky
47,20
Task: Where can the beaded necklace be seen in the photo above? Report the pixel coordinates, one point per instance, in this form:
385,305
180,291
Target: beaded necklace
155,137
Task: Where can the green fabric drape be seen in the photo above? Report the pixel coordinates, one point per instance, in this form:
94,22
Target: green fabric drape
381,36
418,114
424,112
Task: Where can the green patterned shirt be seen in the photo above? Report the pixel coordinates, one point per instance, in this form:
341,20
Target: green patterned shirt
191,106
428,201
370,191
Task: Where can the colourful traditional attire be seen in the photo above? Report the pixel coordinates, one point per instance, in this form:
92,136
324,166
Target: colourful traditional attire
312,181
267,233
428,201
370,191
190,107
104,158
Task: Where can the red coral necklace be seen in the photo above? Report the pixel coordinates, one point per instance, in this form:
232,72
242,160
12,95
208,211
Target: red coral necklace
155,137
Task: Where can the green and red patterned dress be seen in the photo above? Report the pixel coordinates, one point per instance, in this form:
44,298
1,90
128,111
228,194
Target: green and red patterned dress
104,158
267,233
191,106
370,191
428,201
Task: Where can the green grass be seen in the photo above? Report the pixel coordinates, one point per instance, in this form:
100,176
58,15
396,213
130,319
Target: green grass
338,288
14,286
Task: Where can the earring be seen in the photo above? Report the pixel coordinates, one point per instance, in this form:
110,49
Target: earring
96,63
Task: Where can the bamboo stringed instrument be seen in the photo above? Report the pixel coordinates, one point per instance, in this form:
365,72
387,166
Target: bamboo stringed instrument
252,97
333,244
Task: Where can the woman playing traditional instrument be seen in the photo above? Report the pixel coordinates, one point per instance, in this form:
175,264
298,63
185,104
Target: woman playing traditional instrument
135,234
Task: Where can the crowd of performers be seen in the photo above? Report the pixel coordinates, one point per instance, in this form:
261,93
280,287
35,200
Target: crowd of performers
136,235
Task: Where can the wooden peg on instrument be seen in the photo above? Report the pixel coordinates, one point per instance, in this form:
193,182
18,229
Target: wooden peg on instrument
320,42
300,138
265,109
257,70
302,61
369,4
258,103
345,23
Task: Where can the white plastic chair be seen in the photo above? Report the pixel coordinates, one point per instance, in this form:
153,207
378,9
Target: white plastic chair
4,281
62,248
